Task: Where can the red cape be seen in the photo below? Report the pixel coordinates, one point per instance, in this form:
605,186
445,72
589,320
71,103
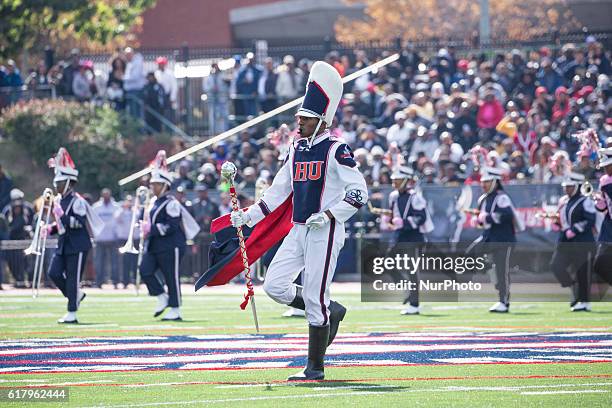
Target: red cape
266,233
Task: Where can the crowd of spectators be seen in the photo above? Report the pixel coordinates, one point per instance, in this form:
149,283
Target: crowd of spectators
127,86
424,110
427,112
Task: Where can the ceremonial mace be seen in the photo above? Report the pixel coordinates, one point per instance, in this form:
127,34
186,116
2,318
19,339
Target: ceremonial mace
228,172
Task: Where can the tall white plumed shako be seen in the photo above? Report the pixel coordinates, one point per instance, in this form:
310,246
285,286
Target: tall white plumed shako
160,173
323,93
572,179
64,166
605,156
491,173
402,172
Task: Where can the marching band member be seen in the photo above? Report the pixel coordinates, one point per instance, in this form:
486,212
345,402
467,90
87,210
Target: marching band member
19,215
327,189
76,225
603,203
167,225
410,219
576,218
497,217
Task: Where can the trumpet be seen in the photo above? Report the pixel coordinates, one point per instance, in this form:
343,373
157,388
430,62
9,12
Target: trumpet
586,189
553,215
379,211
473,211
141,201
38,245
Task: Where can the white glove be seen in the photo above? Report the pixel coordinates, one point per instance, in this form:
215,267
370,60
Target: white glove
239,218
317,221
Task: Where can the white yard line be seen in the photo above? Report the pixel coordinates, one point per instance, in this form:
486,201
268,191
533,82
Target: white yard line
266,398
358,393
563,392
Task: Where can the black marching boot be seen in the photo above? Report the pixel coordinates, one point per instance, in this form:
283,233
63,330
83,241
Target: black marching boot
336,315
317,344
298,300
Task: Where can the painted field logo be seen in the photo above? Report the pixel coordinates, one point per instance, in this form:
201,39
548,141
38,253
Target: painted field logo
281,351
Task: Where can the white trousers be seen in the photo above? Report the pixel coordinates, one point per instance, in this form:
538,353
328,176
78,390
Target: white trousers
313,252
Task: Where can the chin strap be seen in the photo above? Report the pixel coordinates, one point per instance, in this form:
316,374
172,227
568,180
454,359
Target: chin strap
314,135
576,190
493,186
66,188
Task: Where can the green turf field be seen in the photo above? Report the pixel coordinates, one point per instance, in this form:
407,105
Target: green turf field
507,383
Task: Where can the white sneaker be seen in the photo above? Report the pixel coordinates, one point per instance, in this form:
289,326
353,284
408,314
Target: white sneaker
411,310
69,318
293,312
581,307
162,304
499,307
173,314
80,296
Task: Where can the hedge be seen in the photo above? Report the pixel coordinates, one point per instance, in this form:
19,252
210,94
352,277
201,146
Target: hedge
104,144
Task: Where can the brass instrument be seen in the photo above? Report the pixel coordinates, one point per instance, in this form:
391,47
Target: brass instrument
379,211
586,189
38,245
551,215
142,200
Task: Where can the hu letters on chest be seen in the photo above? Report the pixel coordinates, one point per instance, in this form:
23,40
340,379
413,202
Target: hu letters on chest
305,171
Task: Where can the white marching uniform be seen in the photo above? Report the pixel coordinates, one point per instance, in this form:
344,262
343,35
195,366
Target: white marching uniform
321,176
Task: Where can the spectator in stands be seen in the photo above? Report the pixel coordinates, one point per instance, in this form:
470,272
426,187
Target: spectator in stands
165,77
81,85
561,106
208,176
267,87
526,85
249,177
182,178
233,87
39,76
268,162
549,77
154,98
204,210
68,73
114,84
217,92
134,81
490,112
290,80
225,207
448,150
333,59
247,156
597,57
105,252
12,79
425,144
246,86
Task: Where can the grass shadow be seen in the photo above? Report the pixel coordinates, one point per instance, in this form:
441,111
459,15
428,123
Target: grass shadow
345,385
